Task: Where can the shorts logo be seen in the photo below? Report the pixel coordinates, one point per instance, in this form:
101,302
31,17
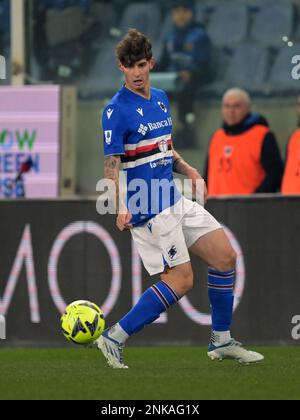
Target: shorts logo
149,226
108,137
143,130
163,107
172,252
163,146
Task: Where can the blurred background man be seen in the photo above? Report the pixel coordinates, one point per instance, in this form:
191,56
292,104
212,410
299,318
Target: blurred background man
186,51
291,179
243,155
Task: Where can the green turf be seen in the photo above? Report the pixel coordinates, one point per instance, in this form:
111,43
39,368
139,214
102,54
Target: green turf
155,373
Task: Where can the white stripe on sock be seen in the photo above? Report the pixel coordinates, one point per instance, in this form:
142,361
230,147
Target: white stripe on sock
219,338
117,333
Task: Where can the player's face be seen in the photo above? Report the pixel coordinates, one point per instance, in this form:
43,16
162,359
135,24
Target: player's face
234,110
182,16
137,77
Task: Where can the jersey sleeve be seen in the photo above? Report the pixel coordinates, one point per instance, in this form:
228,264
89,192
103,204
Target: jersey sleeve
114,131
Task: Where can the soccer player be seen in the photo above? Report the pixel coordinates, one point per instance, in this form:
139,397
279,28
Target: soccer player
137,135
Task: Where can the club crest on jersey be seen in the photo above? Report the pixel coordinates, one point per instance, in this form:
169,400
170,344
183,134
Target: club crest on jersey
140,111
228,150
163,107
163,146
109,113
108,137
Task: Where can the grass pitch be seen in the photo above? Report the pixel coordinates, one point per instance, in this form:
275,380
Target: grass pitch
155,373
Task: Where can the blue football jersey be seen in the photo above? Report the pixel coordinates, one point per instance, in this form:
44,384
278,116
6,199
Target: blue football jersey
140,131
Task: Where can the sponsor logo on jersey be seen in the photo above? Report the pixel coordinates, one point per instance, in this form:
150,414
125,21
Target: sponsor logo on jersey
162,162
160,124
143,130
140,111
108,137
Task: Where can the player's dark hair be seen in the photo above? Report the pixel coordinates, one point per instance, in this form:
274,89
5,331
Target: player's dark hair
134,47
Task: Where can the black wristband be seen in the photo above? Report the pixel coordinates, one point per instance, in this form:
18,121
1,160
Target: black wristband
175,163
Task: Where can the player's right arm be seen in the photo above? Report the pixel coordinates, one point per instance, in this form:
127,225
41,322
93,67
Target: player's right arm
114,131
111,171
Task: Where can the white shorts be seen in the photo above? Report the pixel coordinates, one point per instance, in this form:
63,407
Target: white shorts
166,239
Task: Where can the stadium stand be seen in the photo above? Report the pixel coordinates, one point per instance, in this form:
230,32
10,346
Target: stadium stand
63,53
273,21
144,16
104,77
158,43
249,67
228,24
203,10
281,81
106,17
247,38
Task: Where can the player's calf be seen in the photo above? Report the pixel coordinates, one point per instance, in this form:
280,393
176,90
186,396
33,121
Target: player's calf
156,300
180,278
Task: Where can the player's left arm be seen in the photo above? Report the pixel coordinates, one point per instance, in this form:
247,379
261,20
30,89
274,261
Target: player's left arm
180,166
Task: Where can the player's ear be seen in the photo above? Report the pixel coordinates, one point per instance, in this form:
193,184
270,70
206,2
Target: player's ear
152,63
120,65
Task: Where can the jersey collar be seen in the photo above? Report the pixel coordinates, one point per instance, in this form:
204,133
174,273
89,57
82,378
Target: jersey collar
136,96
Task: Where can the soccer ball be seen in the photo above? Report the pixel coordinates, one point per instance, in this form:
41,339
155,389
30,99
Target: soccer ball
82,322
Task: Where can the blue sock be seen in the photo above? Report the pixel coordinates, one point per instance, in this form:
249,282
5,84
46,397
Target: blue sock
220,291
156,300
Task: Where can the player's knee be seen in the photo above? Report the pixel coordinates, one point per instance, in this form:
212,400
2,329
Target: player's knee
181,278
227,262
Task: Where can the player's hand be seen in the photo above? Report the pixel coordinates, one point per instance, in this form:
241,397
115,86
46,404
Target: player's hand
197,187
123,221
